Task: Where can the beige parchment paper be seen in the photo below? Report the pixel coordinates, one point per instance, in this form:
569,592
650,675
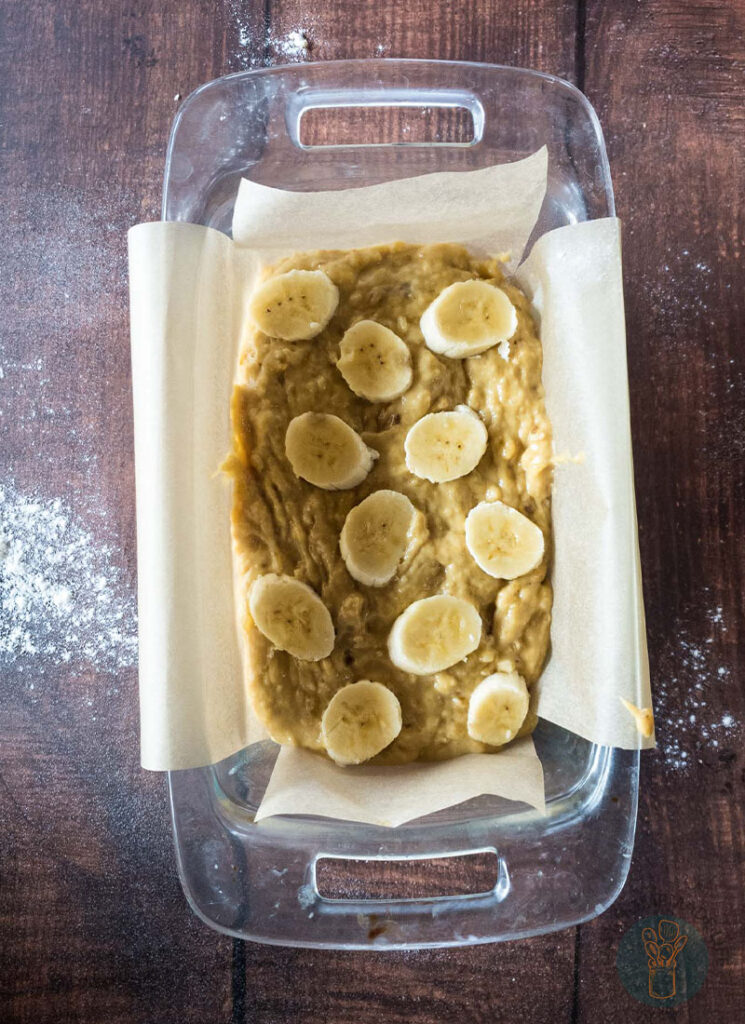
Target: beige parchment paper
189,286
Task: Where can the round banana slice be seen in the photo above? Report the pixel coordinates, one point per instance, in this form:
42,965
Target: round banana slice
503,542
325,451
467,318
445,445
294,306
433,634
360,721
375,536
292,616
497,708
375,362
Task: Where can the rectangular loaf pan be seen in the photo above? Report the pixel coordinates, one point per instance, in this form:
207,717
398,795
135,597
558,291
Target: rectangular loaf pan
337,125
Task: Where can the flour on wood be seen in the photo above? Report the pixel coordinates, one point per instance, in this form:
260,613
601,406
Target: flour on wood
690,694
294,45
63,599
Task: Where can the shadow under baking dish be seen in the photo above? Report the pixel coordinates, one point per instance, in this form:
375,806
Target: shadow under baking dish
338,125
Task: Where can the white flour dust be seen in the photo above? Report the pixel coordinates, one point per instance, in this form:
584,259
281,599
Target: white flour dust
257,47
64,289
62,598
689,696
293,46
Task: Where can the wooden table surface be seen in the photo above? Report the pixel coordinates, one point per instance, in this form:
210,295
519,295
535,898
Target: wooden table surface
93,925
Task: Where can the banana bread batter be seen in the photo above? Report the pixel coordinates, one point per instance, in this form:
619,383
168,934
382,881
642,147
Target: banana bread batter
282,524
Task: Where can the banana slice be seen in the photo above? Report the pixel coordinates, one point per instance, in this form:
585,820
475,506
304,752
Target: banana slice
467,318
292,616
294,306
375,536
325,451
374,362
360,721
497,708
433,634
503,542
445,445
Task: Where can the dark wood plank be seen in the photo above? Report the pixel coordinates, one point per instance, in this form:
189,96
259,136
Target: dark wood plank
497,984
93,925
667,80
528,33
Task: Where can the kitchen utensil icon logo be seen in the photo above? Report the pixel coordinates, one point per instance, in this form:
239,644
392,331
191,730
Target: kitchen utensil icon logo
662,948
662,961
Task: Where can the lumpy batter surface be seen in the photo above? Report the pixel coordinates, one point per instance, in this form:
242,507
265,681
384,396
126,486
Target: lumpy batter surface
281,524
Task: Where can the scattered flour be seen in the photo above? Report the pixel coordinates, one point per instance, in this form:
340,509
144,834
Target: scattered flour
689,695
306,896
64,288
62,597
256,47
293,46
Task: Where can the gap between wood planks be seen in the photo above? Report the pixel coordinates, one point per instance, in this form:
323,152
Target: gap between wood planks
238,986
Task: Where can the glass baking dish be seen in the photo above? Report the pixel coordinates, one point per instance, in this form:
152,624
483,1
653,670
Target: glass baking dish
258,880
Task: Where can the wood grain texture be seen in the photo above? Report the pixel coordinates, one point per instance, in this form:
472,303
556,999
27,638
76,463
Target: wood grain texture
503,984
93,925
674,126
524,33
